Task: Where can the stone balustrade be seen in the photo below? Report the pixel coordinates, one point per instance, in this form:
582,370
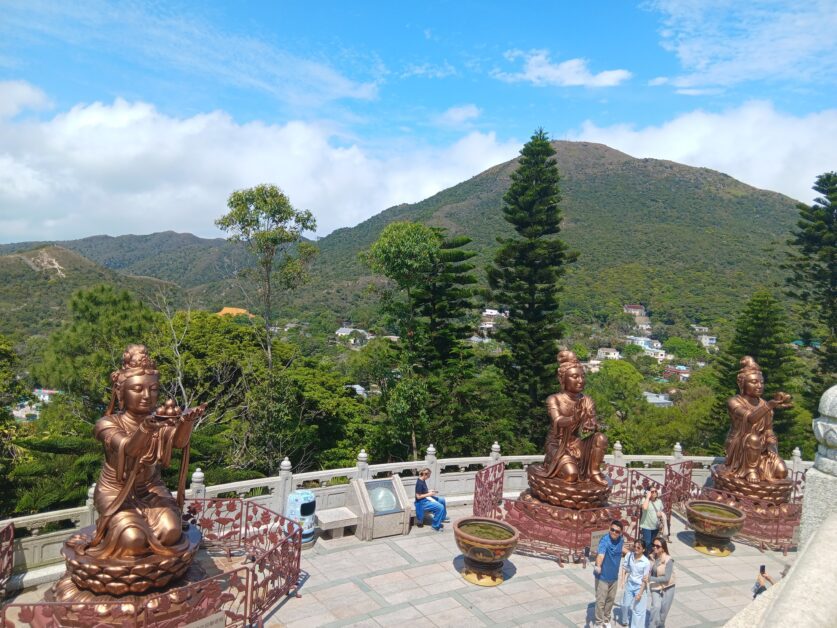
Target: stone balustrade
39,537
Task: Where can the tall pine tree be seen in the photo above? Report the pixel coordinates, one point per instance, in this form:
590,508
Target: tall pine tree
813,277
525,277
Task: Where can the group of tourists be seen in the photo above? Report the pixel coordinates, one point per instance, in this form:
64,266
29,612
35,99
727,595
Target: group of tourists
642,578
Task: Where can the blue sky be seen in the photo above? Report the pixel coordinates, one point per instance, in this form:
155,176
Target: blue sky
142,116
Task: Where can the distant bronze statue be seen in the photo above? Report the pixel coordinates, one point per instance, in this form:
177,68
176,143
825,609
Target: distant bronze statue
140,541
753,466
575,447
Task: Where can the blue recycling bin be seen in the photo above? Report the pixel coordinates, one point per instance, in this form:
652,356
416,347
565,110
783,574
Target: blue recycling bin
300,507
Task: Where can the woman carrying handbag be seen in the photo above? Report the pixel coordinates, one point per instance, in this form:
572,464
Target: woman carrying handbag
661,581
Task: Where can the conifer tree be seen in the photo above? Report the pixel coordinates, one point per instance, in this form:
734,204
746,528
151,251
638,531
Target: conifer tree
525,276
813,277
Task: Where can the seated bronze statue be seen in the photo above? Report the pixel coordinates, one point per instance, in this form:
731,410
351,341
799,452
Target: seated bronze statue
753,466
139,537
570,475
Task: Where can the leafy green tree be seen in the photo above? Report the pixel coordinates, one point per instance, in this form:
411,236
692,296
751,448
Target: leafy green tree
271,229
12,391
375,364
525,276
813,279
617,391
684,349
632,351
405,428
407,253
761,332
63,457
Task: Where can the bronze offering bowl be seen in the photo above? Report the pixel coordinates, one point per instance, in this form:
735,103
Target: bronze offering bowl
714,525
485,544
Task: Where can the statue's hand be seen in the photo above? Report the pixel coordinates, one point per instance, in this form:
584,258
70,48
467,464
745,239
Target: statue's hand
151,424
781,400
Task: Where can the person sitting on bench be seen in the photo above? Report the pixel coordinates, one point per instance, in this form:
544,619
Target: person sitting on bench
429,501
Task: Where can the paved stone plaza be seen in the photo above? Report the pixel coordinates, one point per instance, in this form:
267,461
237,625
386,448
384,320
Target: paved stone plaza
413,580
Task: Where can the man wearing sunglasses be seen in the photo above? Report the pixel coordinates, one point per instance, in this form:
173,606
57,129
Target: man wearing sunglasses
606,571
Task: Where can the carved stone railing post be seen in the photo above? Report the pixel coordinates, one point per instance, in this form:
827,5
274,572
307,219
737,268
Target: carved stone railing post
279,499
618,458
677,453
430,461
197,484
363,465
796,460
89,517
495,451
820,498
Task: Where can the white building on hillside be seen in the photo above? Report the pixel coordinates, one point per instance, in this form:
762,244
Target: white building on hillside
608,353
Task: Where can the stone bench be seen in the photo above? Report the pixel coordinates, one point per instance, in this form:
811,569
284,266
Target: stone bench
336,520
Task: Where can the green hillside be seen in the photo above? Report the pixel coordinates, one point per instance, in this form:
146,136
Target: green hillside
38,283
686,242
181,258
689,243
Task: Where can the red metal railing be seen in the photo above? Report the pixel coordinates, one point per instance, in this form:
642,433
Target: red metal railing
765,526
571,534
7,550
272,544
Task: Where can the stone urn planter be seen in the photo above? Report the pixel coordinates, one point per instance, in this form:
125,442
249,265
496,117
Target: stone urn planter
714,525
485,544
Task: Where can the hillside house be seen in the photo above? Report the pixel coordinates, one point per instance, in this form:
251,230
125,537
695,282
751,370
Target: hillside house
660,400
658,354
355,337
608,353
644,342
643,323
492,314
677,372
592,366
699,329
634,309
708,342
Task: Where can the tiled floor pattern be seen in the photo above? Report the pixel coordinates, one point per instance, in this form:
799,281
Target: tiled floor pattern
414,581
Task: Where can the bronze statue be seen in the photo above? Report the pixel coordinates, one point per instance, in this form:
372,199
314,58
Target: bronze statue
140,541
753,466
575,447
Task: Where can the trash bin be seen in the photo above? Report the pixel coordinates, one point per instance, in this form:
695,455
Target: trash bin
300,508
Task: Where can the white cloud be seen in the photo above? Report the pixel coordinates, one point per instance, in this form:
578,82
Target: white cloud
125,167
724,42
753,143
539,70
429,70
159,36
15,96
458,116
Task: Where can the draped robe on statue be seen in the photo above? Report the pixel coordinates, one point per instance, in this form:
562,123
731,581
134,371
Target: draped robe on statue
563,445
132,501
752,445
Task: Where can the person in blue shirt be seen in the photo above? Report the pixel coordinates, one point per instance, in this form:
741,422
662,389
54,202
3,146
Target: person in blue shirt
635,570
606,572
429,501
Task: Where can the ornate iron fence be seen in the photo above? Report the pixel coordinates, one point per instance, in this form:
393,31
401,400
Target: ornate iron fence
564,533
766,525
7,549
238,597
